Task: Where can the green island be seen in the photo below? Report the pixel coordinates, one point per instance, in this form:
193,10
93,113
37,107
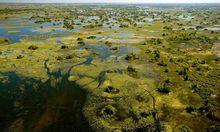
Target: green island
109,67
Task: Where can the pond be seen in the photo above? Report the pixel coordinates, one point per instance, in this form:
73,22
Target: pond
122,35
105,52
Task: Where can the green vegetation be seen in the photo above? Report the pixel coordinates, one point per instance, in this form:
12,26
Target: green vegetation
109,67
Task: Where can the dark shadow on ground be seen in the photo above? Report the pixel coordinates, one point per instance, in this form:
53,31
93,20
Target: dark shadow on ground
32,105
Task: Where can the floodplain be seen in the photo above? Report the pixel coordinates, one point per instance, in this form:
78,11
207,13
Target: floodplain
110,67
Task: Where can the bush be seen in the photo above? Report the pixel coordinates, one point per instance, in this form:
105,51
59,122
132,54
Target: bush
64,47
91,37
164,88
59,58
20,56
6,40
155,41
112,90
190,109
79,39
167,28
81,43
157,54
145,114
183,72
69,57
132,71
108,43
186,77
108,112
114,48
167,81
32,47
166,70
202,62
161,63
131,56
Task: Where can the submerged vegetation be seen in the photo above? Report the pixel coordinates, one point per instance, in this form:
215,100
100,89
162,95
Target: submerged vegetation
109,67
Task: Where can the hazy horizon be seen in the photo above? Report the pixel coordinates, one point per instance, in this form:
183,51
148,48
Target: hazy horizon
110,1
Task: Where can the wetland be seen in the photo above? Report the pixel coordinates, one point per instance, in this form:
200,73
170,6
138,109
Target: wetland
109,67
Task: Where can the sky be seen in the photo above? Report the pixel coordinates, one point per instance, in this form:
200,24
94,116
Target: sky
112,1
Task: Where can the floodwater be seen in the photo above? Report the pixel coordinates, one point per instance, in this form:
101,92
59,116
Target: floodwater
28,29
17,29
214,28
104,51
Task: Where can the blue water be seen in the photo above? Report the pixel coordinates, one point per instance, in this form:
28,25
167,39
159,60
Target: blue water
27,27
105,52
122,35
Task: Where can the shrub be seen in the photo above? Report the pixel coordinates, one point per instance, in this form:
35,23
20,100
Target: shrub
69,57
166,70
155,41
161,63
157,54
91,37
64,47
131,56
79,39
167,81
6,40
108,112
114,48
32,47
108,43
186,77
111,89
167,28
59,58
20,56
81,43
190,109
145,114
164,88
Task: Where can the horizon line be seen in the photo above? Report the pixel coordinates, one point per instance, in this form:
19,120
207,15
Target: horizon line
110,2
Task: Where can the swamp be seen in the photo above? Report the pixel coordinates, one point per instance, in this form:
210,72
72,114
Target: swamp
109,67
